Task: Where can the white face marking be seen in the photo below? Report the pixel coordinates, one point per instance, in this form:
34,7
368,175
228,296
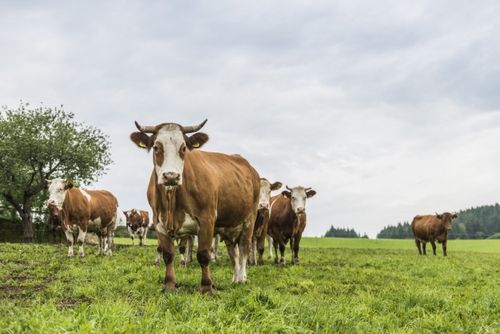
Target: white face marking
172,139
57,192
298,200
85,194
265,194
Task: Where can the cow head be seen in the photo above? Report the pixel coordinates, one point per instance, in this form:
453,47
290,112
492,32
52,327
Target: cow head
265,193
55,217
297,196
447,219
57,191
170,144
134,219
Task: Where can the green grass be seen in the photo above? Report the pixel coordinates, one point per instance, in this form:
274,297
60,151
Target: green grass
348,286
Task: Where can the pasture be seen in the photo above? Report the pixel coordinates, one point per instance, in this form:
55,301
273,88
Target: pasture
341,285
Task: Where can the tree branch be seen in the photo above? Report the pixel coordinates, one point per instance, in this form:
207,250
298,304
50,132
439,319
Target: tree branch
9,198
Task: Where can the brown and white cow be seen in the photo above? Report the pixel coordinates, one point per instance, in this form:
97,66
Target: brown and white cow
288,220
262,220
432,228
137,224
89,210
199,193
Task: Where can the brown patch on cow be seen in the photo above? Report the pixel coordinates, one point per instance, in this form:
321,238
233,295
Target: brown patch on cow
158,153
432,228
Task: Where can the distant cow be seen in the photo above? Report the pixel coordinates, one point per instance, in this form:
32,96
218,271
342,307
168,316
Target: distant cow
432,228
89,210
288,220
199,193
262,221
137,224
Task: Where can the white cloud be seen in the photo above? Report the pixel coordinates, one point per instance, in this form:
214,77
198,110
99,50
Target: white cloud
387,109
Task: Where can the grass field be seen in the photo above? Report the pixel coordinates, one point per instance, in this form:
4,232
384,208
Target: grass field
341,285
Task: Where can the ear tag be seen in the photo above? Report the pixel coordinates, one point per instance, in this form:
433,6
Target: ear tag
196,145
141,144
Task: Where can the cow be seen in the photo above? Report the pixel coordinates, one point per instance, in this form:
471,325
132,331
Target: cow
261,223
137,224
432,228
89,210
54,223
288,220
199,193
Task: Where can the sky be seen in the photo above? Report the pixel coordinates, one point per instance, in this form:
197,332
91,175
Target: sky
387,109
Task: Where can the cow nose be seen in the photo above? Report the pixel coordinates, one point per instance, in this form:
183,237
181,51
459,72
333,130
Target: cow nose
171,178
263,206
301,210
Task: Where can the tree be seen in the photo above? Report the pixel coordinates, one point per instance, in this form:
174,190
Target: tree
42,143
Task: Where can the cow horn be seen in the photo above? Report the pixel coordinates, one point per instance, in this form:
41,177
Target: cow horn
190,129
147,129
307,189
288,188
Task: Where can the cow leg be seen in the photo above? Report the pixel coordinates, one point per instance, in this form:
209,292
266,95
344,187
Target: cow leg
269,244
433,244
295,253
444,247
159,253
424,244
252,255
245,244
417,242
81,240
292,242
260,243
168,253
234,255
69,238
182,250
109,243
215,248
275,244
205,237
190,243
132,237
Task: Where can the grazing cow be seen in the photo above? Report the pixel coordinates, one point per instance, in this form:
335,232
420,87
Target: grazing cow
199,193
288,220
137,224
261,223
432,228
89,210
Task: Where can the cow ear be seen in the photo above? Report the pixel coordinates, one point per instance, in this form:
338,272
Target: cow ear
454,216
197,140
68,185
141,139
310,193
276,185
286,193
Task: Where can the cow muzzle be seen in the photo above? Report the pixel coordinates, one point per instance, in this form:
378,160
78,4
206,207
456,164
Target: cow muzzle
300,211
263,206
171,179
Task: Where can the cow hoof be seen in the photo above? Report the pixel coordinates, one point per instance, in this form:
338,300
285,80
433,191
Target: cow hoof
183,263
81,254
208,289
169,286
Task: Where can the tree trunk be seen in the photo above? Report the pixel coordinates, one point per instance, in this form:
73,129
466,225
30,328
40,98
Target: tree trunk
27,217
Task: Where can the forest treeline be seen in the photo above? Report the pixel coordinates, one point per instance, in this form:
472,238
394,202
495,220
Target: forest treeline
475,223
343,232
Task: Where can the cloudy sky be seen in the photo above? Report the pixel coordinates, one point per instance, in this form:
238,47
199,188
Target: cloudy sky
386,108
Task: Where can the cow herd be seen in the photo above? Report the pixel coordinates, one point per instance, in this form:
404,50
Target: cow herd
204,194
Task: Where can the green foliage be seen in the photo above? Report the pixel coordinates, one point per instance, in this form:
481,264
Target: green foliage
342,232
400,231
376,286
42,142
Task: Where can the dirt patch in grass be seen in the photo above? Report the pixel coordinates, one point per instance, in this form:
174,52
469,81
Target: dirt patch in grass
71,302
